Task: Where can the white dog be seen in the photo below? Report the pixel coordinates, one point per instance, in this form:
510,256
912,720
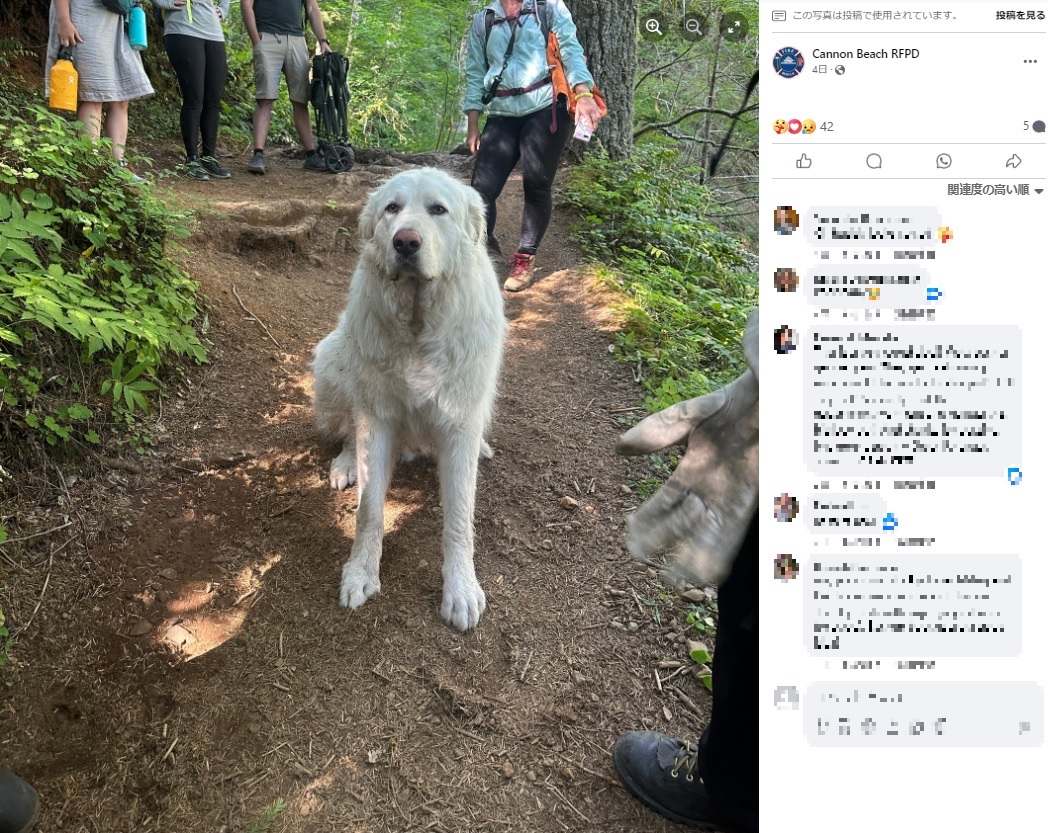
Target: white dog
412,365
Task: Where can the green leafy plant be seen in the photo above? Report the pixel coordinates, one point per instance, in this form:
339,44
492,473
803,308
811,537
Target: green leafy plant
94,312
269,815
686,286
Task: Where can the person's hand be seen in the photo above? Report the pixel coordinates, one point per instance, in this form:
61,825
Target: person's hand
325,47
473,139
587,108
67,33
180,4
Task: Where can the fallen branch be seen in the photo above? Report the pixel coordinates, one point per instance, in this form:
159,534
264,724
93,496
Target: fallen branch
255,318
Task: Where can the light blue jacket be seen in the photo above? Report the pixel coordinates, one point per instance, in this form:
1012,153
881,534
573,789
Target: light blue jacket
207,18
528,62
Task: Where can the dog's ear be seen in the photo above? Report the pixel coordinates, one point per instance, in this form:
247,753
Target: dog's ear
369,216
478,217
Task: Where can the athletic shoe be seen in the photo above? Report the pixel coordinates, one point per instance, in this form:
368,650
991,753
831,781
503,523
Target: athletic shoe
194,169
315,162
214,167
135,177
257,165
521,274
19,804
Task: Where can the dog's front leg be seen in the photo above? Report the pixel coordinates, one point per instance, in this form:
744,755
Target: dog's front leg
360,574
464,600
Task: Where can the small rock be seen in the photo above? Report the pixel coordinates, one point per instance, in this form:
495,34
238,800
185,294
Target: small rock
162,596
423,564
651,572
169,574
615,623
632,627
532,776
626,490
179,636
569,502
507,769
694,595
141,627
667,713
576,677
547,544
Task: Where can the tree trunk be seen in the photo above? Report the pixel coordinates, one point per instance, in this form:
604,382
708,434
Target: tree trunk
608,33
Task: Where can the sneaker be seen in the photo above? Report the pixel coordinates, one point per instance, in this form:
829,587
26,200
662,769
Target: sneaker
315,162
257,165
194,169
125,167
663,773
521,274
19,804
214,167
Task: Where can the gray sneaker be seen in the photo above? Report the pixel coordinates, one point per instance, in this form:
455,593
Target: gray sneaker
194,170
315,162
257,165
214,167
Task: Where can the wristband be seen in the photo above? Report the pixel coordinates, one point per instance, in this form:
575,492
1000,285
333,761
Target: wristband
324,40
583,95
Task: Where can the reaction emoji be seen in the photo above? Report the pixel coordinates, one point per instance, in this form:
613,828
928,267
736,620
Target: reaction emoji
779,126
795,126
874,293
945,234
807,126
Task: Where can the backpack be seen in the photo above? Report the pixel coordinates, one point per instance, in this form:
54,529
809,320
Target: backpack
558,76
120,7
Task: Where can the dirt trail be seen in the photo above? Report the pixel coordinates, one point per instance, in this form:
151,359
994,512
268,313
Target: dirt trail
189,663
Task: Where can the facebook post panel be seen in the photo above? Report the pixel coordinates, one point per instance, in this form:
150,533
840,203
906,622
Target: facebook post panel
904,239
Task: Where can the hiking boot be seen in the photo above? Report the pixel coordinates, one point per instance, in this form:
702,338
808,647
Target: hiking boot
521,274
195,170
257,165
493,245
663,773
214,167
19,804
125,167
315,162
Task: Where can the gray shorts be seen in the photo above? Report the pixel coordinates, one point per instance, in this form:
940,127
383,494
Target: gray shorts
281,53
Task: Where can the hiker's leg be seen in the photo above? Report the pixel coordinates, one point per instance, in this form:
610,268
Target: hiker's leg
540,151
268,55
498,153
189,62
214,85
116,126
296,66
728,748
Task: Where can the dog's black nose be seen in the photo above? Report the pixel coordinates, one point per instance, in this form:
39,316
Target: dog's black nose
407,242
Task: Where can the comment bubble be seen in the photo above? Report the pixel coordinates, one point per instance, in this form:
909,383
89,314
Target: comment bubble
844,287
920,400
908,226
943,714
856,512
916,605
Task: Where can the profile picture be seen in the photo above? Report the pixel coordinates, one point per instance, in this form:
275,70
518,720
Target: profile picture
786,279
785,340
786,508
786,567
787,221
787,698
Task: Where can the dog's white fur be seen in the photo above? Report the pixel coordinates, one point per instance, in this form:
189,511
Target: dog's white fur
413,365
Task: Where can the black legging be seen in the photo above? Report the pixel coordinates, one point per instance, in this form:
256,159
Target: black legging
528,138
729,748
200,66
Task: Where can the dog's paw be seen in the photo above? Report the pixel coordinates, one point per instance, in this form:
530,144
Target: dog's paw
464,602
485,450
343,471
358,585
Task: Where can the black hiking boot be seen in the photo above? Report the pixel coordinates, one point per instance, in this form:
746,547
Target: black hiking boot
663,773
257,165
214,167
19,804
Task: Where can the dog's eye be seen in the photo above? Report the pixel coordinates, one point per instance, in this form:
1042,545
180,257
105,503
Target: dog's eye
437,209
392,208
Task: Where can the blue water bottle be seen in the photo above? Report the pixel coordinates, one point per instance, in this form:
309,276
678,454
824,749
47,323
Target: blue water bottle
136,27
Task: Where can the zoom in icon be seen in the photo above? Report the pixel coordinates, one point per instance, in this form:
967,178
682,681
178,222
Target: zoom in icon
652,26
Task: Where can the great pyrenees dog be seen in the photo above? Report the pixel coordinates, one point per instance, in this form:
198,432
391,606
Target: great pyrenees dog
413,365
